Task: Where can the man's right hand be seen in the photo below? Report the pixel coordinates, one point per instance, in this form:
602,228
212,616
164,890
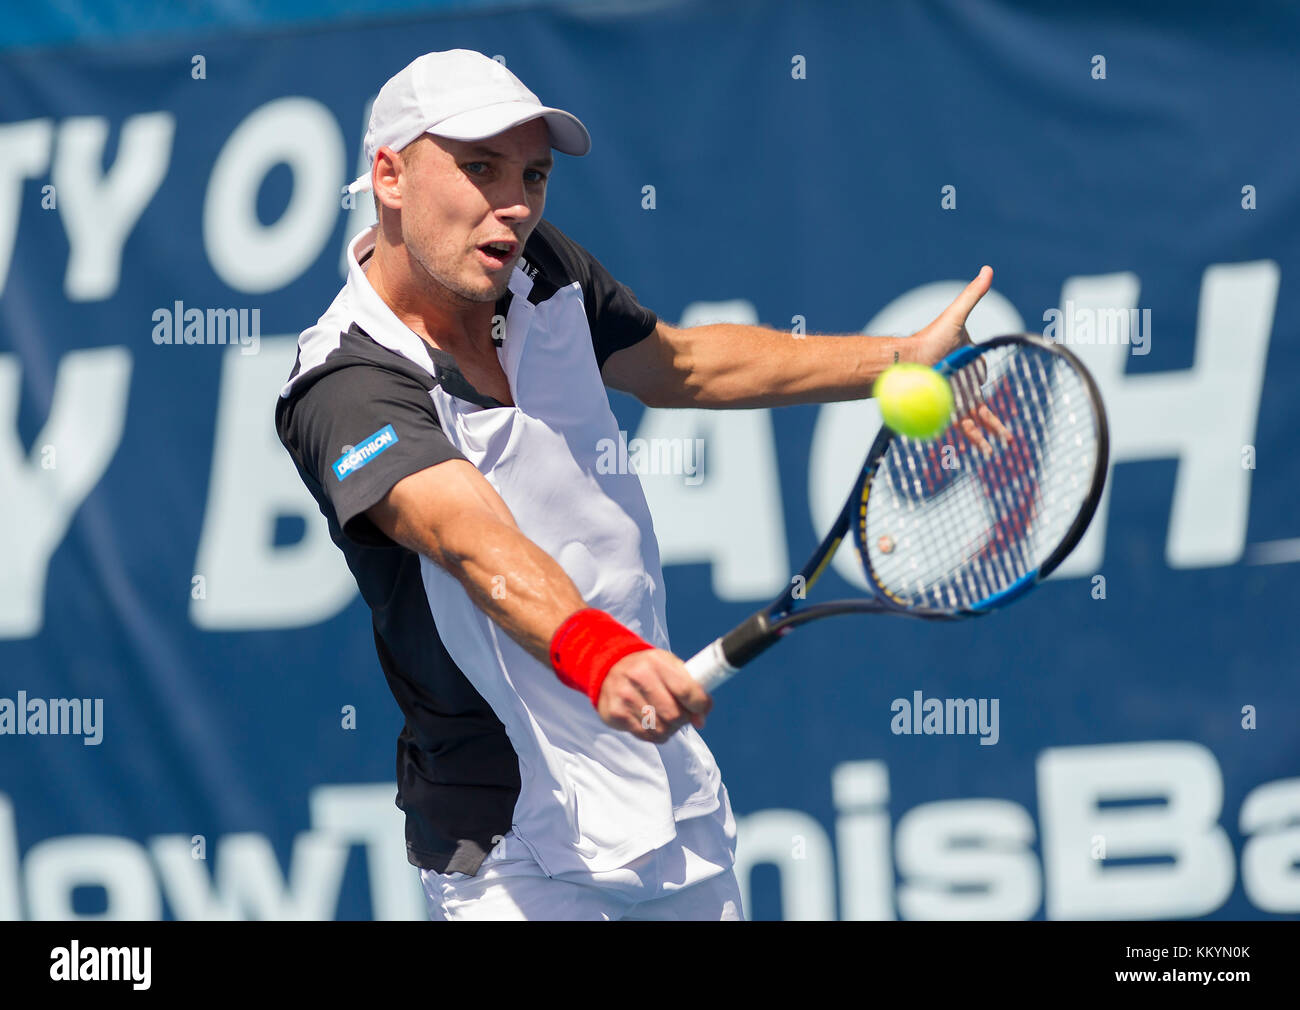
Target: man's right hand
650,695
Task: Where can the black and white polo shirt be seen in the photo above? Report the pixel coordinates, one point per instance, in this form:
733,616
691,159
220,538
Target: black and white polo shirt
493,741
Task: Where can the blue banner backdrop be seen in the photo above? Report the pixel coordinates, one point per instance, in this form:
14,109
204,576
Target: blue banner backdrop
819,167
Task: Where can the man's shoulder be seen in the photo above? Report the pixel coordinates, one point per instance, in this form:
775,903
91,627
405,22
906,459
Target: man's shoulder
554,257
345,375
617,319
337,341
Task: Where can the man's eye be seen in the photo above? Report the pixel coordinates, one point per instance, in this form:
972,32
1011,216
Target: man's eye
473,167
536,175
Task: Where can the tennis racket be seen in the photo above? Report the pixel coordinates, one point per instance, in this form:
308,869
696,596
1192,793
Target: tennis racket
965,523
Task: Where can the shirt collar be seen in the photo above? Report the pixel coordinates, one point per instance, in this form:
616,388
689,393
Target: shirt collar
374,316
372,313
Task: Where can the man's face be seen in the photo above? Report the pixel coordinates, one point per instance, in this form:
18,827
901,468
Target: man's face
460,197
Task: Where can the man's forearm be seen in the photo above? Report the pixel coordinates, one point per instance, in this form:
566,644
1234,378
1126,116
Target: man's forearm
517,584
732,365
452,516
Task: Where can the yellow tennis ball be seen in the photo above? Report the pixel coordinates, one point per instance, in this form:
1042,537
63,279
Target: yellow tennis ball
915,400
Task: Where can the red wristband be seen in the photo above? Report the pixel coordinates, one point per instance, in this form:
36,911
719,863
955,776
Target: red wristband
586,645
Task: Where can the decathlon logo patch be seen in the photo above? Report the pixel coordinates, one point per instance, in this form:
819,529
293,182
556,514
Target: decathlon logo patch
352,461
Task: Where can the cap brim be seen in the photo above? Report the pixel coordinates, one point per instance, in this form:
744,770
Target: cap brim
568,135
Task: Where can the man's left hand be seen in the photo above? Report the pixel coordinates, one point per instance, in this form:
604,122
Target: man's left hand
945,335
948,331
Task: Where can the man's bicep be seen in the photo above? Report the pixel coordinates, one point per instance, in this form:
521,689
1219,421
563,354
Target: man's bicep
655,370
439,510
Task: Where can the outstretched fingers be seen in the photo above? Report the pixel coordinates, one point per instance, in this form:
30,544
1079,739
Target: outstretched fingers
970,296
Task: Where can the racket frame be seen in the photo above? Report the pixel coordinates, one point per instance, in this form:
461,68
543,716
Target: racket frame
763,629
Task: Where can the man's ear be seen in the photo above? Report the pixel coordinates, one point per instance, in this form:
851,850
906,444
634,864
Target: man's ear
387,172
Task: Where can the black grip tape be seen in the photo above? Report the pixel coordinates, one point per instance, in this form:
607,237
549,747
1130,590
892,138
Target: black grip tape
747,640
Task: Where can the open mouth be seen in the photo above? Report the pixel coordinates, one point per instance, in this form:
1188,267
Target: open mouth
497,254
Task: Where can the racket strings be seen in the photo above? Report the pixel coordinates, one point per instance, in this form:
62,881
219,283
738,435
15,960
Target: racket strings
947,526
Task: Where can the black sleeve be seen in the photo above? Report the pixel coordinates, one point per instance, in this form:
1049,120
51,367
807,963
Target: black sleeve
356,432
616,318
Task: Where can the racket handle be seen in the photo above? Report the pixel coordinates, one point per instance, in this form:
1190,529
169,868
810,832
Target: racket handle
709,666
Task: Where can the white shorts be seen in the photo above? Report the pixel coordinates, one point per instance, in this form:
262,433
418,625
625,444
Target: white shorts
672,883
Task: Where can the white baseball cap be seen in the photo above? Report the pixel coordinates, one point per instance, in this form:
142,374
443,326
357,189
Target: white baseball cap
461,95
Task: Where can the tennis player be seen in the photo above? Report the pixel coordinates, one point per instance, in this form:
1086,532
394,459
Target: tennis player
446,413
